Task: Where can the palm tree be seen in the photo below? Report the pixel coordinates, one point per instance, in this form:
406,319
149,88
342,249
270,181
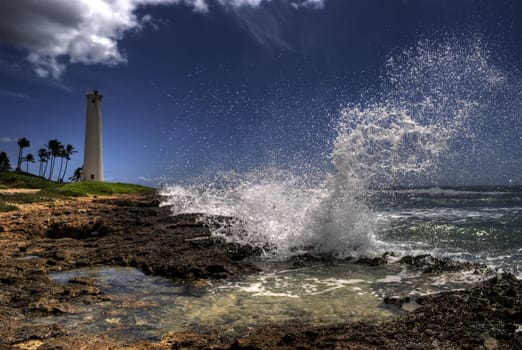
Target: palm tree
77,175
22,143
69,151
43,157
29,158
54,147
4,162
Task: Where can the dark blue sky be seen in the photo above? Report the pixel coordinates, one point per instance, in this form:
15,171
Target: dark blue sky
191,87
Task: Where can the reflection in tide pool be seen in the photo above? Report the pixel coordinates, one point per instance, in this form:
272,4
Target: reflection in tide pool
140,307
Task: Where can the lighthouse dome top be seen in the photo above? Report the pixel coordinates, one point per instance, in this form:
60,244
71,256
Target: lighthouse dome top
95,94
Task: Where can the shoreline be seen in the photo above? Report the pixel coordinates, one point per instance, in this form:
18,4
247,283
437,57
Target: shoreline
133,231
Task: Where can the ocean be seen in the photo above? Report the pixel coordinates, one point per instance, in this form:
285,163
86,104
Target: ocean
480,224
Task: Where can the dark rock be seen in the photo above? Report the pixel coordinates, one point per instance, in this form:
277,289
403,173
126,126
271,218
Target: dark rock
216,269
63,230
431,265
396,301
35,332
287,339
303,260
377,261
82,280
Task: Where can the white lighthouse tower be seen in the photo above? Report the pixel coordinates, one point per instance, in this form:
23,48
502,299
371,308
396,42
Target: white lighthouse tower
93,156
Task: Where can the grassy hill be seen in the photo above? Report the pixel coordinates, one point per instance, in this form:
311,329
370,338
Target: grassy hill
24,180
102,188
50,190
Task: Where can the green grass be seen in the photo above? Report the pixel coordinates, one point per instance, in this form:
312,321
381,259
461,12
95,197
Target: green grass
24,180
102,188
50,190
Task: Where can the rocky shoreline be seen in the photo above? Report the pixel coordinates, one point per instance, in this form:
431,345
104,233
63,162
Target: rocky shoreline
134,231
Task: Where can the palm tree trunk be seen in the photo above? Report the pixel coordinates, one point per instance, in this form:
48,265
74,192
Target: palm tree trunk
19,163
65,170
60,171
51,171
45,168
51,168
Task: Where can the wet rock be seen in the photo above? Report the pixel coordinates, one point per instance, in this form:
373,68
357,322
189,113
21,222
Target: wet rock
303,260
239,252
377,261
396,301
417,260
78,289
431,265
82,280
216,269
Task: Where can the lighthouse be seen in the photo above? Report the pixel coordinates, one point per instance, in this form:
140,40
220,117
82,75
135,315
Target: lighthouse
93,155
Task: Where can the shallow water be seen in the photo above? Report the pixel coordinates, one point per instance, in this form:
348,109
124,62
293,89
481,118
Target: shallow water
142,307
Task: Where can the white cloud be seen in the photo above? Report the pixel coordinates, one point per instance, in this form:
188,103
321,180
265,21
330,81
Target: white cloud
239,3
313,3
5,139
14,94
57,32
83,31
256,3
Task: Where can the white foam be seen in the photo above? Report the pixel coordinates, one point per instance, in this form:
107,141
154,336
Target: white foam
446,214
454,193
390,279
469,276
277,285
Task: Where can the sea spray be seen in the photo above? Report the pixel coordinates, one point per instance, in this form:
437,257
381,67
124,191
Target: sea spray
420,119
267,208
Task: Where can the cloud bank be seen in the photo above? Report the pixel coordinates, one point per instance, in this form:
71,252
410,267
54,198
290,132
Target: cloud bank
58,32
